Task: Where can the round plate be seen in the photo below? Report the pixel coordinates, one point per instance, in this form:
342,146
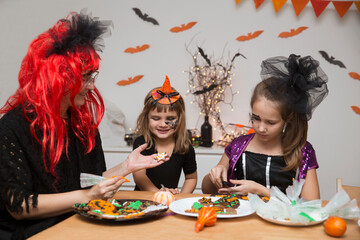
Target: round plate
288,223
153,210
179,207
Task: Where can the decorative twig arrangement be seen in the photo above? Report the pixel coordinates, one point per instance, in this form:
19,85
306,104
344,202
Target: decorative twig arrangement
209,81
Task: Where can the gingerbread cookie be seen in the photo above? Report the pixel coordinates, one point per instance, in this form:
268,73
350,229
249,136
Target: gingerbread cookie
161,156
227,204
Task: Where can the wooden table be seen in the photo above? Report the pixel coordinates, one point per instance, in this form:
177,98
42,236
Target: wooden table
174,226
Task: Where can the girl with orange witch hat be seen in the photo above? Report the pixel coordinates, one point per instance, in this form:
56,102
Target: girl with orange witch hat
162,125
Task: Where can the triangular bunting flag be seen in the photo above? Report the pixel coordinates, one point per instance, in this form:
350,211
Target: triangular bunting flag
237,1
319,6
342,7
299,5
258,3
357,5
278,4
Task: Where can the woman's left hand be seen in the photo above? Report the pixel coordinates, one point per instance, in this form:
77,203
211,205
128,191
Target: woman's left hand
136,161
105,189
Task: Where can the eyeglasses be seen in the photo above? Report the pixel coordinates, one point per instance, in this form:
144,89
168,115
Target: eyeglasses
90,78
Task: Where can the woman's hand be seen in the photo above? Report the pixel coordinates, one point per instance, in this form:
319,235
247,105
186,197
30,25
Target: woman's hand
243,187
105,189
136,161
217,175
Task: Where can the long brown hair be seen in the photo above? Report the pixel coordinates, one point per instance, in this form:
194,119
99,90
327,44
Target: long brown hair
295,135
182,141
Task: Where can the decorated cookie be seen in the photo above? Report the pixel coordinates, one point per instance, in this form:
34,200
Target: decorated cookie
226,204
161,156
119,209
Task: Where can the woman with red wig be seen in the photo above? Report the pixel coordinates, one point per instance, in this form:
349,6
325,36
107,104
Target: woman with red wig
49,131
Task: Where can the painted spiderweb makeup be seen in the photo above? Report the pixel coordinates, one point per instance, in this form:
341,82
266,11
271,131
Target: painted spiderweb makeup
173,124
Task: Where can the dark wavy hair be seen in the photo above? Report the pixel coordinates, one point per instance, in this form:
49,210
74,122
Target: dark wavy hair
297,86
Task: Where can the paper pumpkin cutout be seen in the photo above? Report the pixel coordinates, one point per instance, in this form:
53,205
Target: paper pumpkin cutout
183,27
130,80
145,17
354,75
356,109
137,49
249,36
331,59
293,32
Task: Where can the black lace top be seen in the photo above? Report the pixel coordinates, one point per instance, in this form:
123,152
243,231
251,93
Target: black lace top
22,173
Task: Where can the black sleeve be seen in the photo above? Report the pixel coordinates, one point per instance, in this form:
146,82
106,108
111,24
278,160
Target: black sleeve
16,181
190,161
138,142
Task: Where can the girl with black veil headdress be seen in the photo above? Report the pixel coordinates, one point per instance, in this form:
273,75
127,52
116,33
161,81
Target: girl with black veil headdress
49,131
278,151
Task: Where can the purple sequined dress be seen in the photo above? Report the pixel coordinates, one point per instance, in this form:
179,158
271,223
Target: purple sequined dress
235,152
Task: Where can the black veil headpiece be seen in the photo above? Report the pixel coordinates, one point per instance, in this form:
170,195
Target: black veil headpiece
83,29
300,82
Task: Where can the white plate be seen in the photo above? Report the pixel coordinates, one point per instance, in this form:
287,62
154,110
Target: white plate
179,207
288,223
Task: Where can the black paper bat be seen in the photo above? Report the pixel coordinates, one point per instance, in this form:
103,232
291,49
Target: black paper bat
145,17
206,89
204,56
236,55
331,59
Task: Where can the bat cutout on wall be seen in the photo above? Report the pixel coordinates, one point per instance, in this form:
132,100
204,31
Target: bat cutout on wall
331,59
354,75
137,49
183,27
206,89
356,109
204,56
249,36
130,80
145,17
293,32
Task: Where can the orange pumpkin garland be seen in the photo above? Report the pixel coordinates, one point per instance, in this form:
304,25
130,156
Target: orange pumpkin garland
163,196
207,216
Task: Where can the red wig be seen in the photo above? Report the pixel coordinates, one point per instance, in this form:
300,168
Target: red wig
52,68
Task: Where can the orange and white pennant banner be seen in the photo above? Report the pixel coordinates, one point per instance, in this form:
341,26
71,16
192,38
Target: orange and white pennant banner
278,4
299,5
342,6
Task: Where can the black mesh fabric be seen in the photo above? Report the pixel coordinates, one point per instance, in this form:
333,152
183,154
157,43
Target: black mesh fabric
23,175
299,80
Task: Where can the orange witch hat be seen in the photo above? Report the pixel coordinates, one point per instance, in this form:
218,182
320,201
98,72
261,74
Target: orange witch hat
165,95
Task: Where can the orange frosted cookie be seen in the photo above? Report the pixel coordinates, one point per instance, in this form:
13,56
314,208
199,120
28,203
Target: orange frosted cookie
161,156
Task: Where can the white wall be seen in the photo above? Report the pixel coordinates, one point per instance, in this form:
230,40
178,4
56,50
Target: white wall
334,129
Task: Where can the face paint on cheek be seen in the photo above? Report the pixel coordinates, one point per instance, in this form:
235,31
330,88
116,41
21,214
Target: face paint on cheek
172,124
